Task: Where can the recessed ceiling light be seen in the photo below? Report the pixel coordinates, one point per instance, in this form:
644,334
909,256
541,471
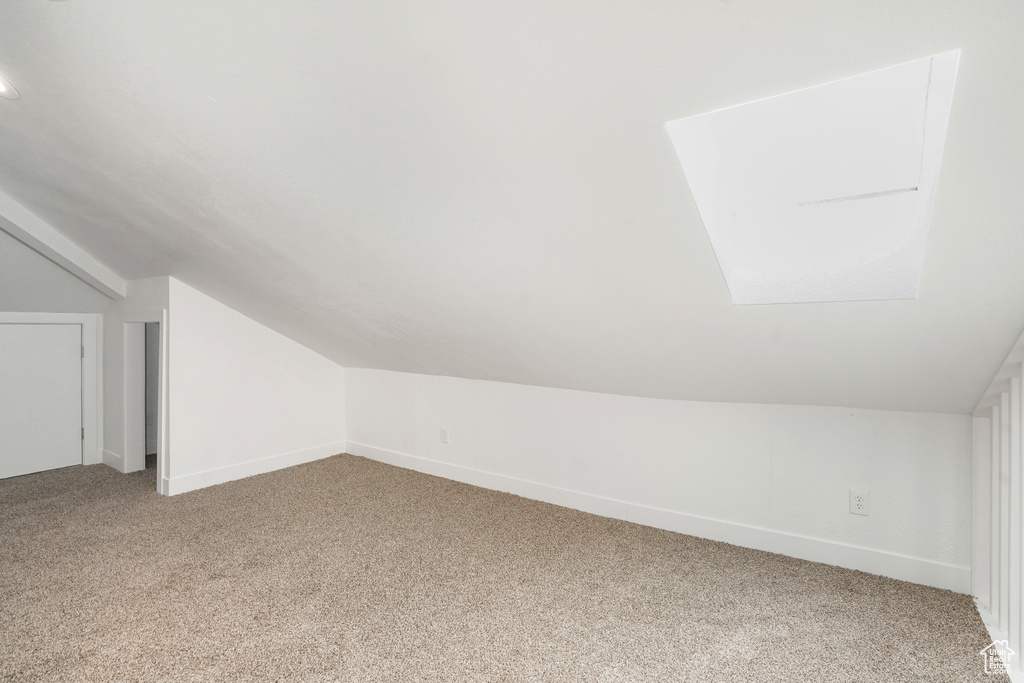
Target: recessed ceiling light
7,90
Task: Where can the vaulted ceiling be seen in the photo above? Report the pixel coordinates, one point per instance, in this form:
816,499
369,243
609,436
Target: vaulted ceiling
488,190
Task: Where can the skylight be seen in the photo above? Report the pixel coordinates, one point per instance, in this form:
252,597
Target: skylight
823,194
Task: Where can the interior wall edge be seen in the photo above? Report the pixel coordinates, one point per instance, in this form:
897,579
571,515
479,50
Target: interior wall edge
114,460
32,231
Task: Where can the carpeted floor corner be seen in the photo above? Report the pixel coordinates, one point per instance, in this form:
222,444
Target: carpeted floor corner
350,570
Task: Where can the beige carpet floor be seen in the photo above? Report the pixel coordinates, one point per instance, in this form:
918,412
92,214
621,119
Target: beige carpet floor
349,570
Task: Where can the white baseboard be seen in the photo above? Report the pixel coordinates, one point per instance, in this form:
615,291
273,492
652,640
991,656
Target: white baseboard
114,460
220,475
883,563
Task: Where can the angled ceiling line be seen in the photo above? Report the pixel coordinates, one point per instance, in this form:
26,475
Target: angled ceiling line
41,237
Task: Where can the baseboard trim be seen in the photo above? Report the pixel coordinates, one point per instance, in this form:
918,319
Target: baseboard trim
883,563
114,460
220,475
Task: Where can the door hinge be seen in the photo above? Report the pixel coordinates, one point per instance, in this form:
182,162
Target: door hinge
83,433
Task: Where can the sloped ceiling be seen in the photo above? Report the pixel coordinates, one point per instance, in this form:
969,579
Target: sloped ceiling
487,190
31,283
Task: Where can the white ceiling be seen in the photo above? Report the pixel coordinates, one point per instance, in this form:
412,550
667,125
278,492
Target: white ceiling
487,190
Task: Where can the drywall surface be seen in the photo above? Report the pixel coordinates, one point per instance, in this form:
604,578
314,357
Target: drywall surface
487,190
774,477
243,399
29,282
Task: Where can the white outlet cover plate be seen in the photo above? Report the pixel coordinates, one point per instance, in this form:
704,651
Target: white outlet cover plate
823,194
864,510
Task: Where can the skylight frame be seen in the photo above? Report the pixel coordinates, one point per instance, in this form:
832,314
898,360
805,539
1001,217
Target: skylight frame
825,193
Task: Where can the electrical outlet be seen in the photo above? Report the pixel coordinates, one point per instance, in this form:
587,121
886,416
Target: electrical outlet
860,502
444,435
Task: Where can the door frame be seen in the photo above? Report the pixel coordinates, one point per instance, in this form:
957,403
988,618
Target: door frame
134,355
92,371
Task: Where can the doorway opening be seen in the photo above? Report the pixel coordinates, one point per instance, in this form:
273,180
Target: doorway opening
145,420
152,390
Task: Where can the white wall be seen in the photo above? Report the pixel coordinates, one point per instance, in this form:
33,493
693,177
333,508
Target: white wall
244,399
30,282
774,477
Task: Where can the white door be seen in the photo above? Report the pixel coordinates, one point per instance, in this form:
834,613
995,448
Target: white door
40,397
